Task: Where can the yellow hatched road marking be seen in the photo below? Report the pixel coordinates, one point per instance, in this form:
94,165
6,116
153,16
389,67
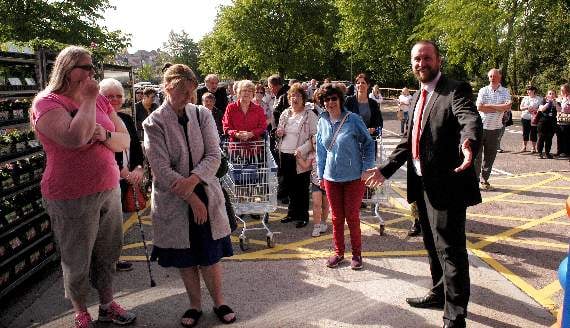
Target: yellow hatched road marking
136,245
491,239
550,289
518,191
526,175
522,186
530,202
518,281
511,218
522,241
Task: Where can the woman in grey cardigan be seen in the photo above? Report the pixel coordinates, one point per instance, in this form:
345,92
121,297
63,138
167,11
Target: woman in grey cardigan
191,228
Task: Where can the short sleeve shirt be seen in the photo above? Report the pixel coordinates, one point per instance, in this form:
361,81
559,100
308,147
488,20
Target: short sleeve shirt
71,173
488,96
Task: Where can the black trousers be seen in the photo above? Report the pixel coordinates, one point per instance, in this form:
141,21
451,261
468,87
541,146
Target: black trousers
296,187
445,241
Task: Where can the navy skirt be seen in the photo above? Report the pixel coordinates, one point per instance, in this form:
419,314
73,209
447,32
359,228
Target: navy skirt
203,251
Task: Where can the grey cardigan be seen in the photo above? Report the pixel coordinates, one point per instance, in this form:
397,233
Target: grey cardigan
307,129
168,156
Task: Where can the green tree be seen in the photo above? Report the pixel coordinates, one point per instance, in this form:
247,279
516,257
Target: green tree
146,73
44,22
181,49
259,37
374,37
528,40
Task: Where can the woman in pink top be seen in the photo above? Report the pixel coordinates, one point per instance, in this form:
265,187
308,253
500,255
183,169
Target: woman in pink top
80,133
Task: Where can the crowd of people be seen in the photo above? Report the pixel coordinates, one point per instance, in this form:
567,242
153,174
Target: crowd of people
322,139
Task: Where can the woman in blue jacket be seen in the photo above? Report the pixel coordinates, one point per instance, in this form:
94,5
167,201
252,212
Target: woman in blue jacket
345,151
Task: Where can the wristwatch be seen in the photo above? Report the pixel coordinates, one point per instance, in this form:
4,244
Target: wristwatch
107,135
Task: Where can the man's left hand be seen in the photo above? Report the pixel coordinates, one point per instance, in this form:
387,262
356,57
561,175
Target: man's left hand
468,156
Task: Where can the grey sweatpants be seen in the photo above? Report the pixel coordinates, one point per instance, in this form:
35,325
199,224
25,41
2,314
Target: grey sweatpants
89,233
487,153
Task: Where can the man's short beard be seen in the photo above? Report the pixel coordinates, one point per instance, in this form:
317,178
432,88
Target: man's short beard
430,77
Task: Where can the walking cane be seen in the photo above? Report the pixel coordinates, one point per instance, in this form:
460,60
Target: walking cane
137,208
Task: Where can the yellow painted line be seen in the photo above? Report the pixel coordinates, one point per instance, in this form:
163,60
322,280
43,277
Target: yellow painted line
323,254
491,239
526,175
136,245
516,280
531,202
130,221
251,241
522,186
518,191
133,258
510,218
522,241
550,289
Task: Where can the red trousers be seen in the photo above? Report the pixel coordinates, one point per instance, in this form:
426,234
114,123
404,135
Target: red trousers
344,199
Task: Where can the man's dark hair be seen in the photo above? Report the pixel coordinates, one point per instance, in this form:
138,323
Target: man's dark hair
362,76
275,80
149,92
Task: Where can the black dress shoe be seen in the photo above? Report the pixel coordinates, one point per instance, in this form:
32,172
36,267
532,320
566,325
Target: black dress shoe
302,224
287,219
429,301
453,324
415,229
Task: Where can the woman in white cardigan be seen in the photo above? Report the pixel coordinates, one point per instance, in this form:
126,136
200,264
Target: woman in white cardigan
191,228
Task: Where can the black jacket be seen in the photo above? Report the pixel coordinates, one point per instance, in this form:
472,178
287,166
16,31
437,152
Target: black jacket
281,103
136,156
449,118
376,120
220,94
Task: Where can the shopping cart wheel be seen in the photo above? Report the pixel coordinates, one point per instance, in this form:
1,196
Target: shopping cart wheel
243,243
382,227
270,239
266,218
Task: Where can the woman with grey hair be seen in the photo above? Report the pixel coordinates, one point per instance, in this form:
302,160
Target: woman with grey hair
244,120
80,133
190,224
130,160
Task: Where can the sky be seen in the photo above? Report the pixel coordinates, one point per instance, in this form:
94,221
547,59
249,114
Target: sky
149,22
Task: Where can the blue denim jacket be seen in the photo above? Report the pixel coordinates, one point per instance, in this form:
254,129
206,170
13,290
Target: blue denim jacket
352,153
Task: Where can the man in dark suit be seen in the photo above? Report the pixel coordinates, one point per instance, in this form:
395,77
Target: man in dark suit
211,86
443,138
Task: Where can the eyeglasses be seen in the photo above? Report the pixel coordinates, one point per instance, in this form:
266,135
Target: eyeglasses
88,67
327,99
114,96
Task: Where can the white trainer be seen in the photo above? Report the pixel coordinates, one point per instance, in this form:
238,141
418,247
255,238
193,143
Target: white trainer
316,230
324,227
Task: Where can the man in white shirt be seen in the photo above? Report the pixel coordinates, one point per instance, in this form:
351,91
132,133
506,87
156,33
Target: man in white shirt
492,102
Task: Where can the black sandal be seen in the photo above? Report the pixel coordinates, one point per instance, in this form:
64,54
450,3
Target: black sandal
222,311
191,314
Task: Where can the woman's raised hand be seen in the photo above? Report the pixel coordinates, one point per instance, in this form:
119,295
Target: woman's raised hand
88,89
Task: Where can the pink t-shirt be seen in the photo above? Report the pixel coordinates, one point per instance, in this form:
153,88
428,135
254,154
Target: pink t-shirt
73,173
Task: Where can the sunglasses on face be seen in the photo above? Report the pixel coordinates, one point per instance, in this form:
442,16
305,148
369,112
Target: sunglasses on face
332,98
87,67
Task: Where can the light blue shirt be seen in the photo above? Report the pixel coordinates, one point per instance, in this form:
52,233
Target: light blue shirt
352,152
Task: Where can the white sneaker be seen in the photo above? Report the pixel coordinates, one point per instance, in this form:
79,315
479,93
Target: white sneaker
324,227
316,230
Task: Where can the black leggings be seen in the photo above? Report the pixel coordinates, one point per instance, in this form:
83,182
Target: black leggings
545,134
529,132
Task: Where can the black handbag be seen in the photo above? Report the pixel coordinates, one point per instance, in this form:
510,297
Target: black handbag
230,210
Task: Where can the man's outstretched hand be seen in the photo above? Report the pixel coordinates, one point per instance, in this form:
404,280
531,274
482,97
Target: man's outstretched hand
372,177
468,156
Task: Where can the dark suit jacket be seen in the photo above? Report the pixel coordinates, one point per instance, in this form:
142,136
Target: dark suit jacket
136,156
449,118
376,120
220,94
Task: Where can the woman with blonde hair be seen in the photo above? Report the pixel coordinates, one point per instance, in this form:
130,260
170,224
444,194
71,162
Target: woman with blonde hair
80,133
244,120
190,225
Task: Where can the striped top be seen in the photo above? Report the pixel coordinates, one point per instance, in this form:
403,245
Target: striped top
488,96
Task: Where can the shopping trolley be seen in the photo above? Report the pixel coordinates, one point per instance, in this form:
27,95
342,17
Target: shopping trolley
251,183
374,196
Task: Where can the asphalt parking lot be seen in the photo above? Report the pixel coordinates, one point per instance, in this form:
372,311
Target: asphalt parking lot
516,237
